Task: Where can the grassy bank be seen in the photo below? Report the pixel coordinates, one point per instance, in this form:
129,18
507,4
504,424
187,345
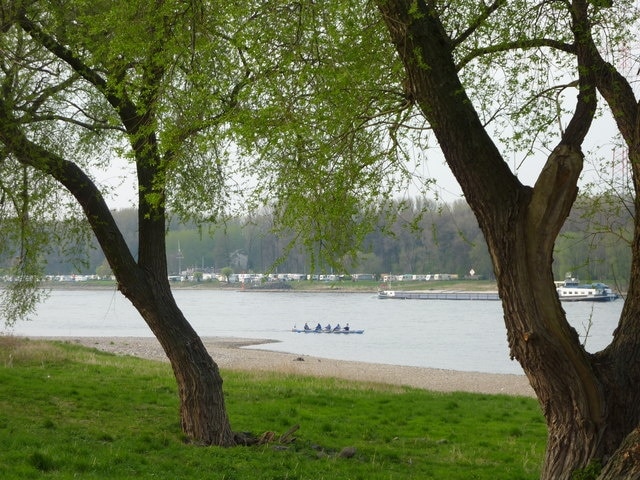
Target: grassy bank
71,412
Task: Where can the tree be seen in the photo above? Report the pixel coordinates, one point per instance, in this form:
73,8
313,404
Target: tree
591,402
156,83
104,270
487,80
226,273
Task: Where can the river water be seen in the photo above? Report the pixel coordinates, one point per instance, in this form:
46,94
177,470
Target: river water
450,334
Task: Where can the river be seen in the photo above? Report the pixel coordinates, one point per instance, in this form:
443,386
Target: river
449,334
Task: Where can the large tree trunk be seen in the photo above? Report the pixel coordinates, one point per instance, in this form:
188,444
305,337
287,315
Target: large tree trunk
619,363
203,414
590,402
569,388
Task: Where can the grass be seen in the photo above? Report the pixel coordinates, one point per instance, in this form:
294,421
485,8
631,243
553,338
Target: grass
72,412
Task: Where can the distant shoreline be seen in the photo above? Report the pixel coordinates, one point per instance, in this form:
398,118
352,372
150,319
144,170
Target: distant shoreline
295,286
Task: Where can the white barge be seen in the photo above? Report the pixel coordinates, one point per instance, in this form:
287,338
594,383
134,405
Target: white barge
571,290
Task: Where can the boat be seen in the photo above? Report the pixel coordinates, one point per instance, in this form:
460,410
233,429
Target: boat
341,331
437,295
571,290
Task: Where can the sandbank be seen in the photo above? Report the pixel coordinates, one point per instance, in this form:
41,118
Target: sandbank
229,354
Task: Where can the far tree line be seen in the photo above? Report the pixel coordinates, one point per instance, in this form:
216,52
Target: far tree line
426,237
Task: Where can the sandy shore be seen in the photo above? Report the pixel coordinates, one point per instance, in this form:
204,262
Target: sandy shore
228,354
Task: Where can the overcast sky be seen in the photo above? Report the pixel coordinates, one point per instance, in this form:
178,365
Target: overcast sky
599,142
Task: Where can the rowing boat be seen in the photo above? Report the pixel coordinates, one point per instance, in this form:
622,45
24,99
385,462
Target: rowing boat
302,330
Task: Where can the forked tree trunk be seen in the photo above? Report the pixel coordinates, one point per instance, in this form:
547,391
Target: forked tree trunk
520,236
590,402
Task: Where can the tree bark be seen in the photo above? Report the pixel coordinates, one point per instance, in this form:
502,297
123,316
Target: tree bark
203,414
625,464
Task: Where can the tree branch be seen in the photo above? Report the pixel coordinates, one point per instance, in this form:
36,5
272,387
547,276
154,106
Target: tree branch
47,93
125,108
94,127
77,183
556,187
516,45
478,22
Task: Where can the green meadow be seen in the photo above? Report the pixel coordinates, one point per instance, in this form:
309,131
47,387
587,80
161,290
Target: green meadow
71,412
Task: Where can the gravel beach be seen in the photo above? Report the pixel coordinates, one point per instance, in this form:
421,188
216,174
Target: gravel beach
228,354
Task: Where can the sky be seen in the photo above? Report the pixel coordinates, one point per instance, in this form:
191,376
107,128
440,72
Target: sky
599,144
